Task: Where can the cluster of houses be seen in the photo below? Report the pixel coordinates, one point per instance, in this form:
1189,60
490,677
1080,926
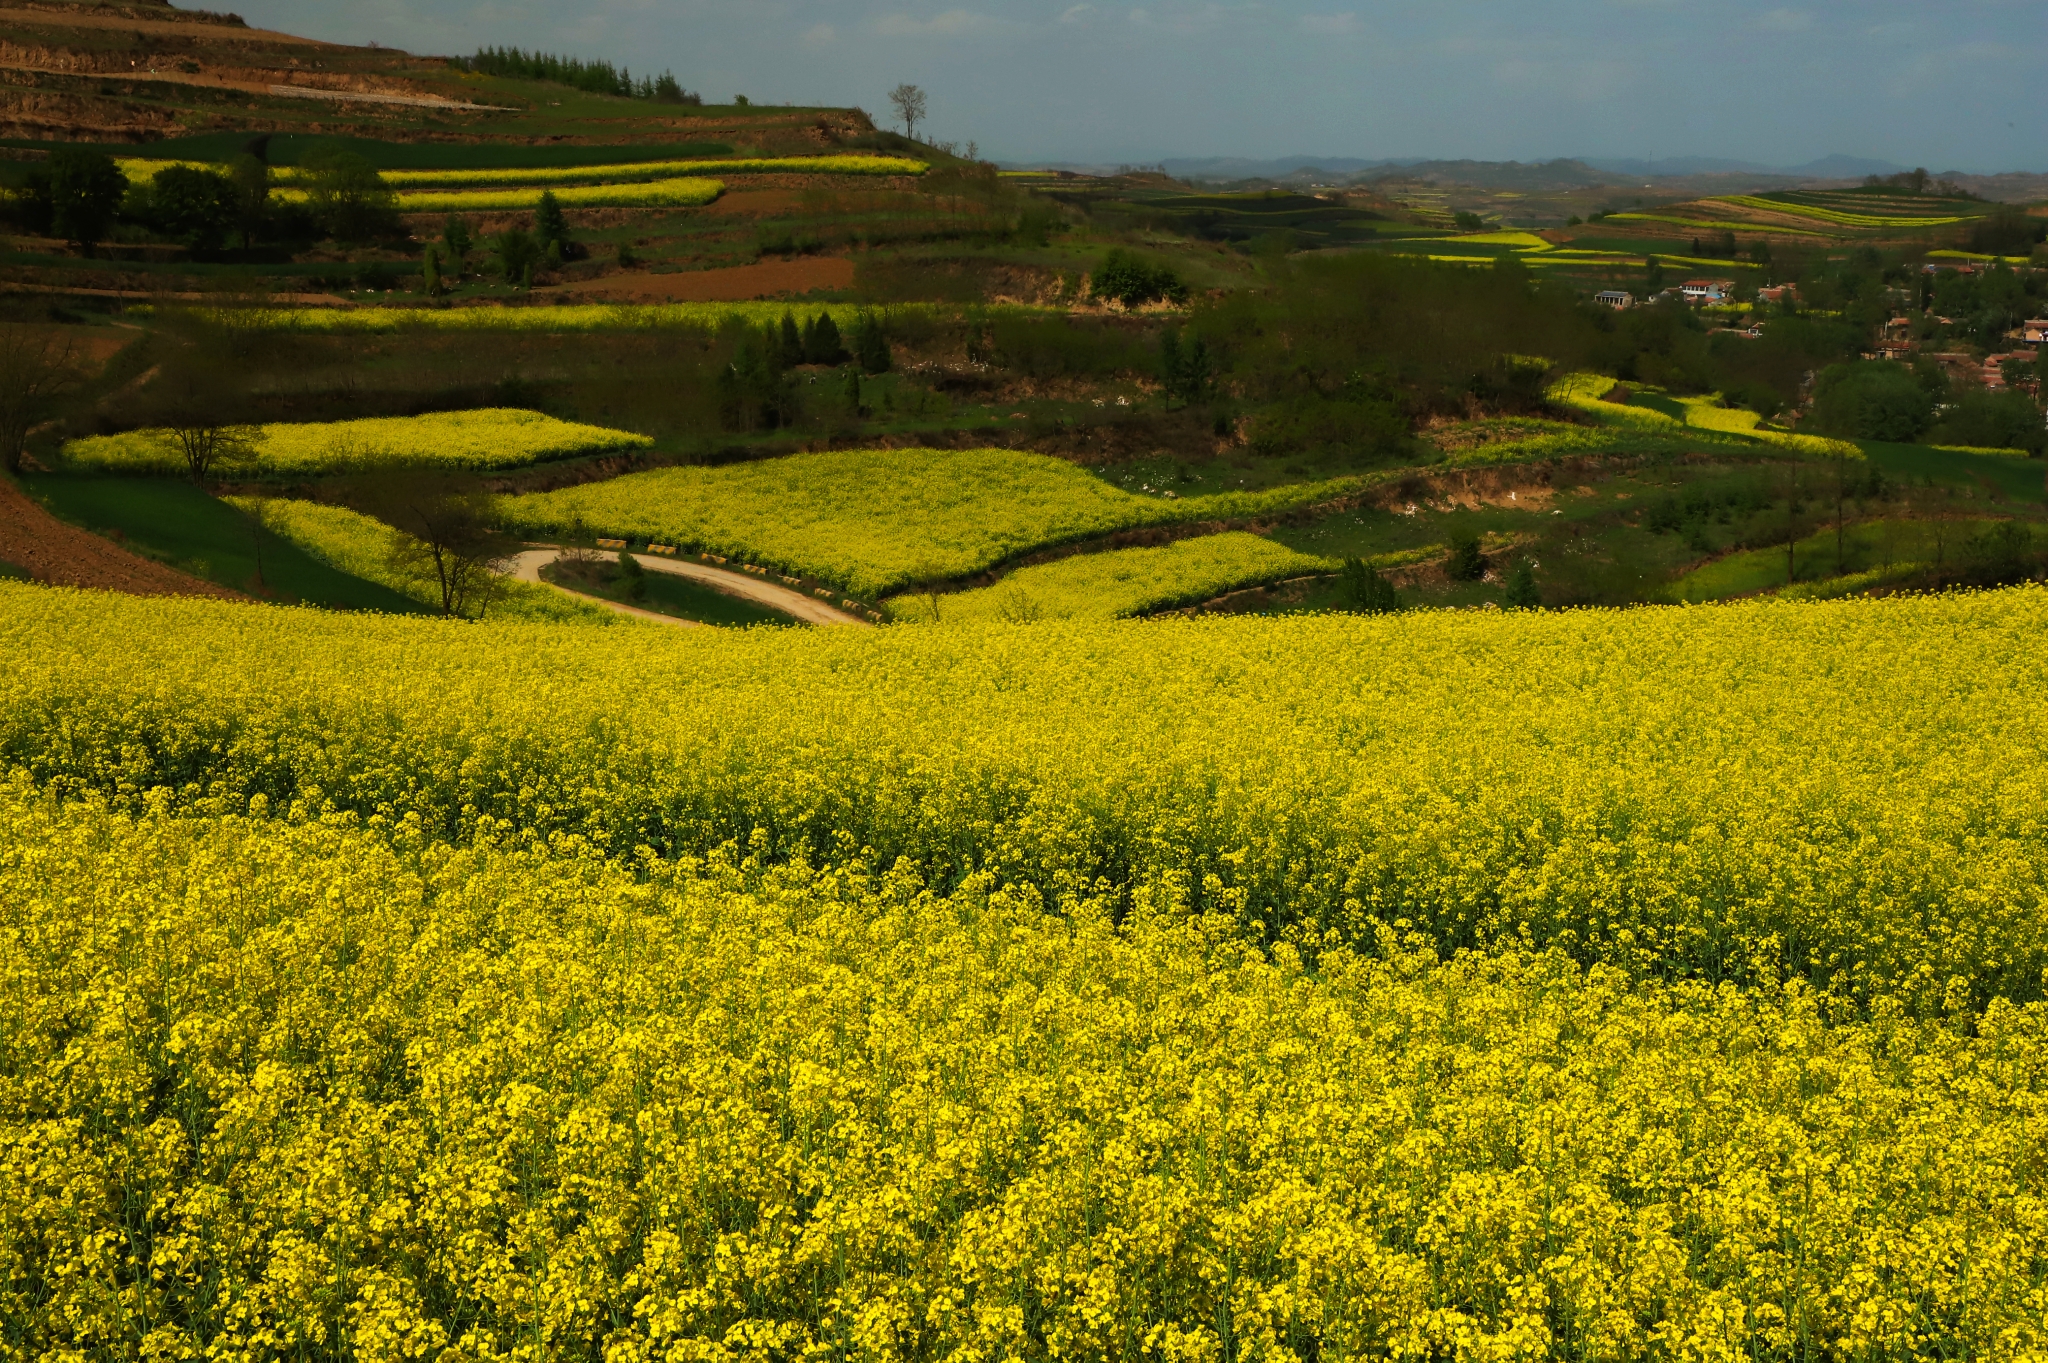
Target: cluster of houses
1700,292
1989,372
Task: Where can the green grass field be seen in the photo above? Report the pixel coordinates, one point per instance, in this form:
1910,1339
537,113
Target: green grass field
1870,546
1993,476
182,526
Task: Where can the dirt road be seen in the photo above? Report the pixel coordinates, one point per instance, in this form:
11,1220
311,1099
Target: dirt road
527,565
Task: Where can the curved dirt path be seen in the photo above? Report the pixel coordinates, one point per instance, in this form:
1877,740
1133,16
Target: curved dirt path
526,567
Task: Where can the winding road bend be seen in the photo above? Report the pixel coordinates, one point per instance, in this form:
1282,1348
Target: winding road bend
527,564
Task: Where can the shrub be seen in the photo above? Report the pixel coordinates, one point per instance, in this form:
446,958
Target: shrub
1134,281
1367,591
1465,562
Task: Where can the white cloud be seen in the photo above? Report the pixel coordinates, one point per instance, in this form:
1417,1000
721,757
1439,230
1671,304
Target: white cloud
1077,14
818,37
1785,21
950,23
1331,25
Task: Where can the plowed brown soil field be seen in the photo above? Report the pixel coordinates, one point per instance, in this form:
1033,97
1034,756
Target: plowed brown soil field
63,555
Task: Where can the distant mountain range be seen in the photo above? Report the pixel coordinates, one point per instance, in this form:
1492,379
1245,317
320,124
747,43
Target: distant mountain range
1836,167
1559,173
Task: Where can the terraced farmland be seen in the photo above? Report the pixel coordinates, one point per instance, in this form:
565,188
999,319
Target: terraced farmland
1813,215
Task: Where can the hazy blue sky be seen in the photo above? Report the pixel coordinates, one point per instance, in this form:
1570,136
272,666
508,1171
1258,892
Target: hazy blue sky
1955,85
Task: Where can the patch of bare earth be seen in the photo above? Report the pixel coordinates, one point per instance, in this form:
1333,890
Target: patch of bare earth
63,555
754,203
766,279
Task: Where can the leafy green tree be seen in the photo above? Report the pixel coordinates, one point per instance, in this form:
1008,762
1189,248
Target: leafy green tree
2002,420
851,391
84,189
1467,221
199,207
1522,594
1367,591
1871,400
348,198
515,251
754,392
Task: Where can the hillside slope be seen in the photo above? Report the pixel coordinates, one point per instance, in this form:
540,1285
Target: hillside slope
147,72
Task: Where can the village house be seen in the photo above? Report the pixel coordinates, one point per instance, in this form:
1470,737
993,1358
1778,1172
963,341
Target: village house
1708,290
1615,298
1779,293
2034,331
1994,367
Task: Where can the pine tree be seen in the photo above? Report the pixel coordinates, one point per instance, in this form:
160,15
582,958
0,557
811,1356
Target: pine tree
549,226
870,346
792,344
431,273
821,342
1522,594
852,391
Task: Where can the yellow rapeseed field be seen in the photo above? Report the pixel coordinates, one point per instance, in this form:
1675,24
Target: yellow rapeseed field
290,1088
483,438
1665,983
1850,791
878,520
1120,582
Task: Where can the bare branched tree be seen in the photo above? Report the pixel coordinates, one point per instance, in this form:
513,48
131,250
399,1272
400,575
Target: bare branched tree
444,535
208,445
36,369
198,411
909,102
